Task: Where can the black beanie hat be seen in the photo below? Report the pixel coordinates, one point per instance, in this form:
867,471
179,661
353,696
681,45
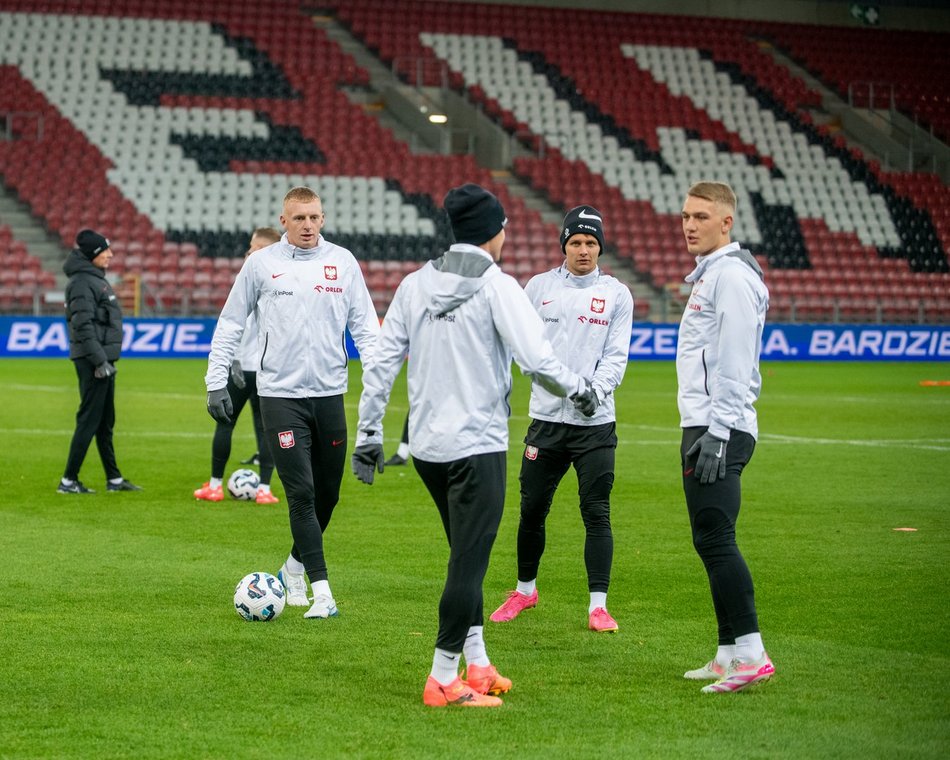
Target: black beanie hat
476,215
582,220
90,243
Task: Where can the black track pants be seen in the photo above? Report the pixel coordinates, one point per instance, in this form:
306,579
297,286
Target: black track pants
307,438
221,444
470,496
541,472
713,512
95,418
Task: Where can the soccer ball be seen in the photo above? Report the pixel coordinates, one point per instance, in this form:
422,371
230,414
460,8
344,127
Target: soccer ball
243,485
259,596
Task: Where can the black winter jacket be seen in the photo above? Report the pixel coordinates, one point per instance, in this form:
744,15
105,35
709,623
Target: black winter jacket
92,312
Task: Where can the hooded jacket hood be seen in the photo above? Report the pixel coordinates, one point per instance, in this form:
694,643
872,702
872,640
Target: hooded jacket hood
456,276
76,263
746,255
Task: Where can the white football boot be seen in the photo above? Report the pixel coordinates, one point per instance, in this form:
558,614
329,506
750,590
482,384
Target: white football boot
296,586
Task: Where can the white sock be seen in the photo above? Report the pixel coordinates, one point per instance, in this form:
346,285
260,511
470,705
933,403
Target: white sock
474,647
527,587
445,666
294,566
321,587
66,481
725,654
749,648
214,482
116,481
265,487
597,599
403,450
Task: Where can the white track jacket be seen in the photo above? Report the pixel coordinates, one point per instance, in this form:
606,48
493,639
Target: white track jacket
588,321
462,319
305,299
720,338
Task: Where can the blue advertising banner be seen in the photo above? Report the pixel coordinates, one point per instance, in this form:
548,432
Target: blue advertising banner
49,336
170,338
817,342
191,338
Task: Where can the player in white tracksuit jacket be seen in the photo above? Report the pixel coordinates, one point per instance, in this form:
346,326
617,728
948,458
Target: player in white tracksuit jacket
307,292
717,366
242,389
460,319
588,316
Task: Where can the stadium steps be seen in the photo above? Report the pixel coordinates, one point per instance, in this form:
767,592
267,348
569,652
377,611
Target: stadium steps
28,229
891,140
381,78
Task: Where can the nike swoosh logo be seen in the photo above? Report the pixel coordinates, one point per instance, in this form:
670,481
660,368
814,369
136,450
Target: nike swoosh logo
719,453
545,303
275,276
582,215
687,473
337,443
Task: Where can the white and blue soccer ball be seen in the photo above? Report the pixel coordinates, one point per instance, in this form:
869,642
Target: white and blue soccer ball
243,485
259,596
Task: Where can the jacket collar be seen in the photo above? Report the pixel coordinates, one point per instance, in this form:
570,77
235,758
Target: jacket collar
578,281
703,262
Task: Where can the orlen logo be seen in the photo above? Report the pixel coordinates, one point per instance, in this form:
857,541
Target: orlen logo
597,305
327,289
329,273
592,321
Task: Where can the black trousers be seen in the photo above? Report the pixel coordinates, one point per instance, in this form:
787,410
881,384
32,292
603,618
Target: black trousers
221,444
94,419
470,496
307,438
551,450
713,512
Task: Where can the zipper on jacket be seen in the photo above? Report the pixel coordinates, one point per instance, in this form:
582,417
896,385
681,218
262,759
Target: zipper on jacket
266,339
705,374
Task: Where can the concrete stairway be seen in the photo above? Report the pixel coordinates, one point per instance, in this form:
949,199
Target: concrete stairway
28,229
399,108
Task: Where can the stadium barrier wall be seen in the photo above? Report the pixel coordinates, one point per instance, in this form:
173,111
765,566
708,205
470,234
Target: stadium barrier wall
34,337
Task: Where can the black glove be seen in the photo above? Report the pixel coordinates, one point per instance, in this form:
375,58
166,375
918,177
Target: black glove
237,374
586,402
104,370
366,458
219,405
711,463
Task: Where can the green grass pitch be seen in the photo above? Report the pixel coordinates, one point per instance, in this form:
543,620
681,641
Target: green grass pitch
119,638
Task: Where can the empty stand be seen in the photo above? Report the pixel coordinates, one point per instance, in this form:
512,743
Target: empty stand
177,128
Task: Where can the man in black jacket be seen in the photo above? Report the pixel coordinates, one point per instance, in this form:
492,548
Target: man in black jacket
95,340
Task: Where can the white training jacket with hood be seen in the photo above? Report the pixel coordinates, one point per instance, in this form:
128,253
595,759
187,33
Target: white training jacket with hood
305,299
720,338
462,319
588,320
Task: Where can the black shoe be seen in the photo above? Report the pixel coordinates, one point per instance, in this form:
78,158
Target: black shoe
254,459
123,486
395,461
75,487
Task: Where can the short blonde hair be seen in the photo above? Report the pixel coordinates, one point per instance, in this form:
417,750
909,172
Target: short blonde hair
717,192
267,233
301,194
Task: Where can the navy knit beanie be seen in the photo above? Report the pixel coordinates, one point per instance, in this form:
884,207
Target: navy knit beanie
583,220
90,243
476,215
